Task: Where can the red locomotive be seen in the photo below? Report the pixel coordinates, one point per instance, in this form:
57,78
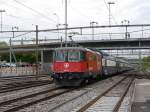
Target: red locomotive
74,65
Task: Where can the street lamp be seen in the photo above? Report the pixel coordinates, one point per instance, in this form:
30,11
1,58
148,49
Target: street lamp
58,25
92,25
109,4
55,14
1,11
126,23
66,21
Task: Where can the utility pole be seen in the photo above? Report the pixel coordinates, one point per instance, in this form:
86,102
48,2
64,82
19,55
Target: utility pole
1,11
10,48
92,25
66,24
10,56
140,53
36,53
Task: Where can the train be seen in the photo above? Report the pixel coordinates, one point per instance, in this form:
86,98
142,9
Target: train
72,66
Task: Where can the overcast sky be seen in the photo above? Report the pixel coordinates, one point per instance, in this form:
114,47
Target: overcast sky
80,12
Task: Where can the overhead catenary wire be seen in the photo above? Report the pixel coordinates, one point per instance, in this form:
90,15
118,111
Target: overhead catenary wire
83,27
43,15
23,34
17,17
79,12
22,18
139,31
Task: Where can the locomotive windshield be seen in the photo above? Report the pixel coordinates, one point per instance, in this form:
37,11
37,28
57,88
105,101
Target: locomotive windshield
73,56
69,55
60,55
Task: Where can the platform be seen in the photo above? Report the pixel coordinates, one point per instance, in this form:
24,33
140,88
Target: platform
142,96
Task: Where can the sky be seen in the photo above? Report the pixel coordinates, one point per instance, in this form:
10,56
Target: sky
47,13
25,14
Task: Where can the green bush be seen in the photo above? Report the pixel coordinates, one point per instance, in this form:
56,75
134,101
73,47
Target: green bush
146,63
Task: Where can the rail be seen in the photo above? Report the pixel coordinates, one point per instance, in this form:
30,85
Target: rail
98,97
34,99
118,104
89,104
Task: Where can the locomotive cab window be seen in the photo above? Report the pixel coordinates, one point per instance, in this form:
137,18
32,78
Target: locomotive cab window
69,55
82,56
76,56
73,56
60,55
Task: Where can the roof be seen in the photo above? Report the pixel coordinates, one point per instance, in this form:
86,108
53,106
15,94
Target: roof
74,48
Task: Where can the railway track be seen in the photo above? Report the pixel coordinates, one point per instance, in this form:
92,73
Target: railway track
23,77
101,100
28,100
22,85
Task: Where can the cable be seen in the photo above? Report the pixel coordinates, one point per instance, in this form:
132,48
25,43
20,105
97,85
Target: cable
35,11
110,13
83,27
79,12
17,17
22,34
139,30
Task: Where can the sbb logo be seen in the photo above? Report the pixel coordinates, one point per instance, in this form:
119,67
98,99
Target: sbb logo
66,65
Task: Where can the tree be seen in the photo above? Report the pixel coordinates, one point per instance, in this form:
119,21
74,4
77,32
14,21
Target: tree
23,57
146,63
31,58
3,44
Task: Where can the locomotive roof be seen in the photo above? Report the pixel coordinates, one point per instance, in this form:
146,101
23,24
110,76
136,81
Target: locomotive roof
76,48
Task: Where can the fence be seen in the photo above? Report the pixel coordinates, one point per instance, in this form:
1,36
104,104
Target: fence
28,70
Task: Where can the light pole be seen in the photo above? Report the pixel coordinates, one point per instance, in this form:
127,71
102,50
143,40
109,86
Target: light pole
57,26
10,49
66,22
109,4
126,22
92,25
57,17
1,11
37,53
140,53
